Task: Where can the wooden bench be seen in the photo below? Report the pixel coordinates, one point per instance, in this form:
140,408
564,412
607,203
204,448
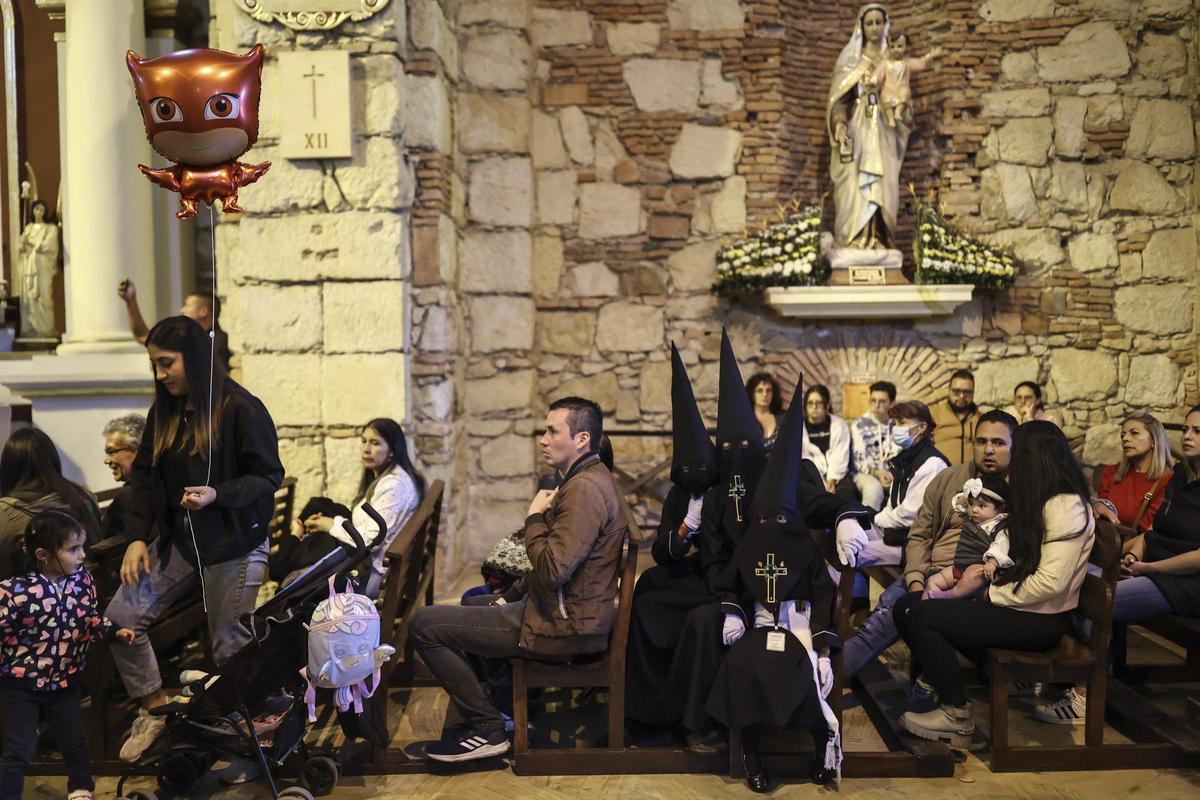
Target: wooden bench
602,671
1179,630
408,584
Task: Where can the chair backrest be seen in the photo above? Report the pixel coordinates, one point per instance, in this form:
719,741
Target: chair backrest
281,514
619,636
1098,591
411,560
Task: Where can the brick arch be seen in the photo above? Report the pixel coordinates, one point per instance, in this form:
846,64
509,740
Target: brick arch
849,355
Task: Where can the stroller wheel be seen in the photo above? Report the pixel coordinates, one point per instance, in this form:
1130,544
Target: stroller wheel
140,794
320,775
178,773
296,793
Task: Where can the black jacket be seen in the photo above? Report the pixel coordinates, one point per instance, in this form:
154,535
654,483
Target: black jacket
666,548
1176,530
246,471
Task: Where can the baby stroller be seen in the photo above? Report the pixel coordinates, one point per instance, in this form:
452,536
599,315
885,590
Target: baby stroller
254,707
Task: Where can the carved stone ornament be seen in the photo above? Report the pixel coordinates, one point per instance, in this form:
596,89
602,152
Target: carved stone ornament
317,15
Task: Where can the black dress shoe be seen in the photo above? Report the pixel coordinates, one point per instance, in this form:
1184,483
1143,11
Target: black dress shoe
756,776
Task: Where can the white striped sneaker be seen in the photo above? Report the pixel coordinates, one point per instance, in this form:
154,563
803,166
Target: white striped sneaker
1069,710
466,744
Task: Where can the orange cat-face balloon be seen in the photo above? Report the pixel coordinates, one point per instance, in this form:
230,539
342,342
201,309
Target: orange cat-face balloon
200,108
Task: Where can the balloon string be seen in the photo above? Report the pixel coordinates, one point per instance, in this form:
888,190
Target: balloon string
212,361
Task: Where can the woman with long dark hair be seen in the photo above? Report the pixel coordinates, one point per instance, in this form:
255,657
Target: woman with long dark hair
766,399
31,480
1051,530
203,486
389,482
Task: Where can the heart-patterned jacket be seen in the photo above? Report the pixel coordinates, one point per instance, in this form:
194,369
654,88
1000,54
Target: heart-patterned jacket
45,628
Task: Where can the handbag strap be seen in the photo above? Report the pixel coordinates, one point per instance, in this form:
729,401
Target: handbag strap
1137,521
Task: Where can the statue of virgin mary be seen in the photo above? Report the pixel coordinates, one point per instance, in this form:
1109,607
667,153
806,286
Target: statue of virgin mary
867,152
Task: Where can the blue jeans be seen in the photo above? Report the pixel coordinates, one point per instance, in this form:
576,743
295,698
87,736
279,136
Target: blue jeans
1138,598
878,632
231,589
60,709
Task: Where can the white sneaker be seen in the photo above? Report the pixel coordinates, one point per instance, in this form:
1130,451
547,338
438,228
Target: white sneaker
1024,688
1070,710
145,730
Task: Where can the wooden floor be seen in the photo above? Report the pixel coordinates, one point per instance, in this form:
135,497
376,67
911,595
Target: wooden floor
425,709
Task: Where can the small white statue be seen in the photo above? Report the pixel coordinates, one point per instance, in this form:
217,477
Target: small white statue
39,263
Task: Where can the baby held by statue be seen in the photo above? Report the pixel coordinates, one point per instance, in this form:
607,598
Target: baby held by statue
982,550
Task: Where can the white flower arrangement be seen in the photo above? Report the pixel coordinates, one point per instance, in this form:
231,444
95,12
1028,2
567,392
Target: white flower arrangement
787,253
944,254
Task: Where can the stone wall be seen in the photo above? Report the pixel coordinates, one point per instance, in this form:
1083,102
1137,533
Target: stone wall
578,162
1062,129
314,275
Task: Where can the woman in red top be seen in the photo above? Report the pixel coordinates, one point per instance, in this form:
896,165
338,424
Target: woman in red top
1144,472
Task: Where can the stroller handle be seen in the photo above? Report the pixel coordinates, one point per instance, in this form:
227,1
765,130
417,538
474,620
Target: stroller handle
361,546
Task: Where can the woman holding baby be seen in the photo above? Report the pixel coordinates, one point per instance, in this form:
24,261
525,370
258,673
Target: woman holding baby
1026,606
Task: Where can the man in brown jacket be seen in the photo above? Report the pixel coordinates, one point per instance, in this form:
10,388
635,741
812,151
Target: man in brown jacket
563,607
928,548
956,417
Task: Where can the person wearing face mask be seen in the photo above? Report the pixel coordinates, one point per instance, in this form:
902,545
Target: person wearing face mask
932,541
916,464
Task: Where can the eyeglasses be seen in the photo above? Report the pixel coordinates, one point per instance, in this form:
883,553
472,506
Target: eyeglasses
112,451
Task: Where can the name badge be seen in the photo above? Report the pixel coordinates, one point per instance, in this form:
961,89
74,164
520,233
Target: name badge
776,641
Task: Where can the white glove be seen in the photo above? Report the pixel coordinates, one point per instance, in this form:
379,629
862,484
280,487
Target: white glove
764,618
851,538
692,520
733,630
825,675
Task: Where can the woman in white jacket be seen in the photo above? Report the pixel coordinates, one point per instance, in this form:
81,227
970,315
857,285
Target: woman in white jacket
1051,530
390,483
826,437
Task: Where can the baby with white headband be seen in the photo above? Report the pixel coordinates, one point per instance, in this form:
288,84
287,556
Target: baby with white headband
982,550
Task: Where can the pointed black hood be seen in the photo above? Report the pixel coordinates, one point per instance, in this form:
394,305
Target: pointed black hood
777,557
740,453
693,457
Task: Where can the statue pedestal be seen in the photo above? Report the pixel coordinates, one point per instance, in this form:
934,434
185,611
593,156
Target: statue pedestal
852,266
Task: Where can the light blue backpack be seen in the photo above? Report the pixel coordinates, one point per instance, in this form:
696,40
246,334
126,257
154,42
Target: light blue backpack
344,653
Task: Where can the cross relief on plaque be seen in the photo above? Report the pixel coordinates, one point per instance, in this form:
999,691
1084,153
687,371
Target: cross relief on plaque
315,104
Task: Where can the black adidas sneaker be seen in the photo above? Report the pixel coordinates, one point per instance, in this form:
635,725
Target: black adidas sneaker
465,744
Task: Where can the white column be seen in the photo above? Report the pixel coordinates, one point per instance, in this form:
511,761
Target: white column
174,239
60,51
108,201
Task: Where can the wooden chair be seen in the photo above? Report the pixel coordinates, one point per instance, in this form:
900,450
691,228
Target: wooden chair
1071,662
603,671
408,584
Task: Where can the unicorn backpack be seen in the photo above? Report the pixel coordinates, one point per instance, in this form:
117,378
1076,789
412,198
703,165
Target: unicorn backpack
344,650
